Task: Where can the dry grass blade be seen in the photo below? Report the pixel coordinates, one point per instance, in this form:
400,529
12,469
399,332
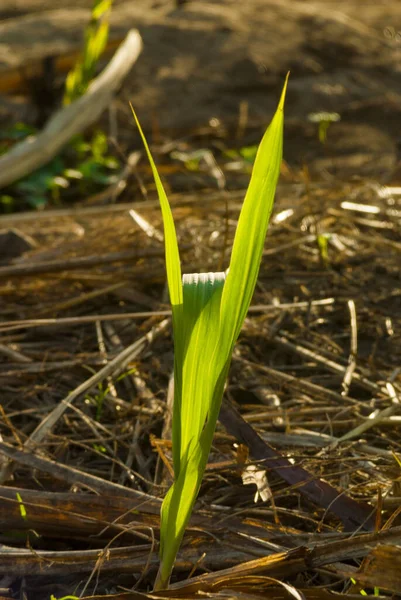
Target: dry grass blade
69,515
376,418
115,366
28,323
354,515
264,588
74,476
381,569
84,262
285,564
22,563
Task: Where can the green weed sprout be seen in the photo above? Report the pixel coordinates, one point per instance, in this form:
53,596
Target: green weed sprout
208,310
22,508
96,35
324,120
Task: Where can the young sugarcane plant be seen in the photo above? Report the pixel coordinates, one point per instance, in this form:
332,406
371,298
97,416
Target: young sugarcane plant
208,310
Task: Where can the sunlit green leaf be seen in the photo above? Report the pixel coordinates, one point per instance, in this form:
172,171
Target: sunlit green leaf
249,153
96,35
22,507
100,7
252,227
208,312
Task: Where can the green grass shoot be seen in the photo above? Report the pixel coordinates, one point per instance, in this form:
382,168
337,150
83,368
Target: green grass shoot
208,310
22,508
324,120
96,36
52,597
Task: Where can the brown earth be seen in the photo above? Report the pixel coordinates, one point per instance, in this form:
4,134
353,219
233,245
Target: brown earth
203,59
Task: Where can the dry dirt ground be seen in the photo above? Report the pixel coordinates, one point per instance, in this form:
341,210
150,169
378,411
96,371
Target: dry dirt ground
203,59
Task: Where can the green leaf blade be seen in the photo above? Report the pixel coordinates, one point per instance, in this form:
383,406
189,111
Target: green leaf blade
192,410
202,296
175,513
252,227
208,313
173,265
174,281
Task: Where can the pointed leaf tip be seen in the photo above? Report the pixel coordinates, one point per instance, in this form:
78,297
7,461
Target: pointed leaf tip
139,128
173,265
283,93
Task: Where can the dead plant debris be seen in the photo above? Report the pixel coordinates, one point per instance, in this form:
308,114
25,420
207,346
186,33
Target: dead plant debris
313,397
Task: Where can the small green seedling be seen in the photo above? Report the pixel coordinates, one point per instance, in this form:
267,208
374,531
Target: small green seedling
208,310
82,165
322,240
96,35
103,391
324,120
376,590
22,508
245,155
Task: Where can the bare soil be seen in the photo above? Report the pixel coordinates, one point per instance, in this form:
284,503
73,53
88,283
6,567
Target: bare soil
201,60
